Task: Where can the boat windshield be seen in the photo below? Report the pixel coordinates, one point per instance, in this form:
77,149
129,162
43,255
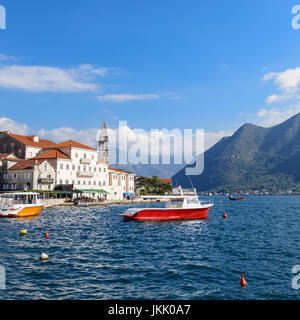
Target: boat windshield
193,200
18,199
175,203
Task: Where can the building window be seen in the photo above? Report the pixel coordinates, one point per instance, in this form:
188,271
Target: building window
95,169
73,167
84,155
99,169
99,183
5,176
104,170
103,183
46,167
5,186
60,182
67,181
79,168
49,176
19,150
84,168
76,155
78,182
61,166
84,182
12,145
89,183
93,157
14,176
90,169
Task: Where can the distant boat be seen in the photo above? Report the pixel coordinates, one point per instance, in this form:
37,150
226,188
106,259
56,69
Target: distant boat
235,199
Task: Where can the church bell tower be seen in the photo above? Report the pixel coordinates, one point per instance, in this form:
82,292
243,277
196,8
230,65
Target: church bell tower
103,144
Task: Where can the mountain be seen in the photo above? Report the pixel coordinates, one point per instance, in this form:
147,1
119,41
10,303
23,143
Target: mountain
150,170
253,158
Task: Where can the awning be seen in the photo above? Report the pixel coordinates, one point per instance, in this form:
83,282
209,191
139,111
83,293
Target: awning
100,191
128,194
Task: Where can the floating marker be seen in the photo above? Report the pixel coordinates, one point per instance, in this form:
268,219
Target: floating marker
243,282
225,215
44,256
23,232
46,235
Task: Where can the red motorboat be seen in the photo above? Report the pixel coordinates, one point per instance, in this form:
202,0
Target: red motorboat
236,199
177,208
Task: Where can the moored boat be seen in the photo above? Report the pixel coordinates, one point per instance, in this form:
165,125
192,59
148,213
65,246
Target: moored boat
177,208
236,199
23,204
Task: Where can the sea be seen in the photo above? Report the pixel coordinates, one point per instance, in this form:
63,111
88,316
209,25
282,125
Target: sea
95,255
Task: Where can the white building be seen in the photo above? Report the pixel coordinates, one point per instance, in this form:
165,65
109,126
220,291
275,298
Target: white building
69,165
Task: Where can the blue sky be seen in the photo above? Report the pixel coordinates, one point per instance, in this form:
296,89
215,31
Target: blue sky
212,65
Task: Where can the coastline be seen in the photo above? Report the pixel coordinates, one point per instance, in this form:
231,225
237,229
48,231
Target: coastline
50,203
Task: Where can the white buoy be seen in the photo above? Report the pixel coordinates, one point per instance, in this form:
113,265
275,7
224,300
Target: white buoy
44,256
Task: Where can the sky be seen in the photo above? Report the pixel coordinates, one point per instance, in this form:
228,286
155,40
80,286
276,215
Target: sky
193,64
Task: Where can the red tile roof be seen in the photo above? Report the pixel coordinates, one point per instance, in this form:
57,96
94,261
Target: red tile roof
25,164
167,180
118,170
72,143
5,155
52,154
43,143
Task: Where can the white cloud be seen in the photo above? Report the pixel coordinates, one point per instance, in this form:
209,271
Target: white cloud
85,136
7,124
211,138
275,116
276,98
126,97
50,79
4,57
89,136
288,80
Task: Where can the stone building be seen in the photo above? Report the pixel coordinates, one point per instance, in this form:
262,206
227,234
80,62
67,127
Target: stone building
28,162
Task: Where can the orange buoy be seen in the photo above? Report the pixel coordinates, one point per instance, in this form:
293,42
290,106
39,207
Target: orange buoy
47,235
243,282
225,215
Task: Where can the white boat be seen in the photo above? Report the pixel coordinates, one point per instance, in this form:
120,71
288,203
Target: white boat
177,207
20,204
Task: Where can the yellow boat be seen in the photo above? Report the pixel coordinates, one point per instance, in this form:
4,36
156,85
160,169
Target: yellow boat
22,204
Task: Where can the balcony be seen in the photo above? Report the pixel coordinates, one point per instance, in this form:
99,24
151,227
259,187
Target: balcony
85,174
85,161
45,181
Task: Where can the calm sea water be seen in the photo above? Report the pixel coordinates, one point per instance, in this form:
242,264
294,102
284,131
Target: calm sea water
95,255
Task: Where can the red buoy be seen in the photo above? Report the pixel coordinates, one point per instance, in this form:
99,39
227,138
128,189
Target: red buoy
46,234
243,282
225,215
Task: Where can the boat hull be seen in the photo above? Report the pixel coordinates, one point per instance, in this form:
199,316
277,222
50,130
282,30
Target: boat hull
236,199
168,214
23,212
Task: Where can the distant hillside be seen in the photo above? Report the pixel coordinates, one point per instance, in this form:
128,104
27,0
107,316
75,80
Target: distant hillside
252,158
150,170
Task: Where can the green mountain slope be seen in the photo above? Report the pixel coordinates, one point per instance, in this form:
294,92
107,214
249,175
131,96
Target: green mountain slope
253,158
